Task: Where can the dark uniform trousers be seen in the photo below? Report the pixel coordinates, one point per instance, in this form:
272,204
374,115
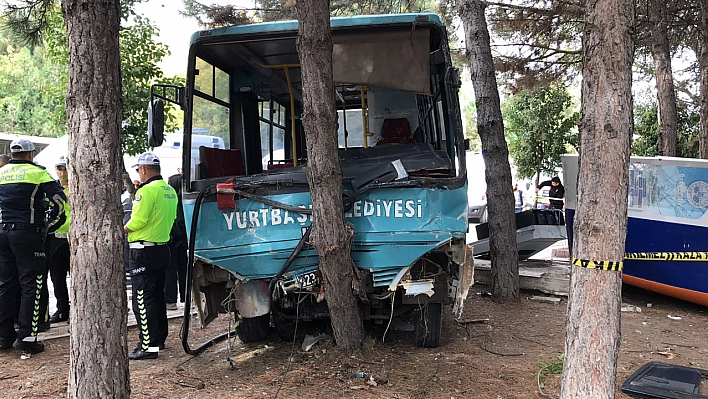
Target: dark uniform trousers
147,267
58,261
177,271
22,269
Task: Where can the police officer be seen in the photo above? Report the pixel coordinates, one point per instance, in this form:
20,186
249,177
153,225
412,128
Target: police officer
23,228
154,212
57,249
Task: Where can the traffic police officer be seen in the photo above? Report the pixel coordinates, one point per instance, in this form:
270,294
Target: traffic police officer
154,212
58,254
23,227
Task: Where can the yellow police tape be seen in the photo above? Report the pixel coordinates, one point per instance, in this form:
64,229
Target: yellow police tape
598,264
669,256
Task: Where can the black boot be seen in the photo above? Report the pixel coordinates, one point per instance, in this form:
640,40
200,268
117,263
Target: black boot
59,316
6,343
140,354
29,346
43,326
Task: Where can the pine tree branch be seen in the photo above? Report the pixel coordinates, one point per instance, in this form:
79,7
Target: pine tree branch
539,46
27,19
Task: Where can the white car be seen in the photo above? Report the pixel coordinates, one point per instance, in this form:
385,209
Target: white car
476,189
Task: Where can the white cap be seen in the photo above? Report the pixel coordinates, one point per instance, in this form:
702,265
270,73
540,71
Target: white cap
61,162
21,145
148,158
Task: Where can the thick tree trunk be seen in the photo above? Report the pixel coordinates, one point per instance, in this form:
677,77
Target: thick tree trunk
98,346
666,93
593,320
331,236
500,197
703,71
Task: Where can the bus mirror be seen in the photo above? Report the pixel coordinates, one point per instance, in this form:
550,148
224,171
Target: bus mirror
467,144
156,123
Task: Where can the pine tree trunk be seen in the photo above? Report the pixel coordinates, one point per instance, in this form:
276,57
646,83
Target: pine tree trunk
500,197
331,236
666,93
703,72
98,328
593,320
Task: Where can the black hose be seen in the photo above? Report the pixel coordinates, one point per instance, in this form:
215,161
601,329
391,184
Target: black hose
190,267
288,262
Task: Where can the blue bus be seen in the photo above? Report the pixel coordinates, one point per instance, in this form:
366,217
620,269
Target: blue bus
402,153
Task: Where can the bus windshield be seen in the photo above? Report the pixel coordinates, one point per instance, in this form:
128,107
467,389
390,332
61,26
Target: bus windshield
396,98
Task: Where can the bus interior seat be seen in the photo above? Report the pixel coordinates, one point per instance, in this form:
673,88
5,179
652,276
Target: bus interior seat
217,162
396,131
280,165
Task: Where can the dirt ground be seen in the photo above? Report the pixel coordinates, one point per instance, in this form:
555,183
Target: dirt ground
495,359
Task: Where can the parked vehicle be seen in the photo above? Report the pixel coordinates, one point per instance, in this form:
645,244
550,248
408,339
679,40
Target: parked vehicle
402,158
665,248
476,188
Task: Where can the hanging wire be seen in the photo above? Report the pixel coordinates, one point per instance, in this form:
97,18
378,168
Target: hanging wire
297,319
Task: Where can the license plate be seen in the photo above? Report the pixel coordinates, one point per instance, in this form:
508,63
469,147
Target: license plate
307,279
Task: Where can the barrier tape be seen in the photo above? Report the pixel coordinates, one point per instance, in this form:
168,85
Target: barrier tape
598,264
541,197
668,256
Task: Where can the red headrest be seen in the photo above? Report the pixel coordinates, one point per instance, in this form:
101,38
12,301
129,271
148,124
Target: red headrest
395,128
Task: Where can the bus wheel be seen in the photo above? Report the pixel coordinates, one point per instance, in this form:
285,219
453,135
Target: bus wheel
253,329
284,327
428,325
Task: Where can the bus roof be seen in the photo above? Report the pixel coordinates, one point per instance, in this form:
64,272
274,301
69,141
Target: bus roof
337,22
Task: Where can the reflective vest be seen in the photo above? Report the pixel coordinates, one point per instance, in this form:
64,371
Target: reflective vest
64,228
24,187
154,211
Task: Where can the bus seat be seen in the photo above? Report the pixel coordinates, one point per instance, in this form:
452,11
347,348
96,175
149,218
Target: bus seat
280,165
396,131
217,162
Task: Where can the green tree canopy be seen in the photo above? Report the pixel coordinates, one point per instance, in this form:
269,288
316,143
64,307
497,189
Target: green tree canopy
646,130
539,126
46,85
25,78
469,114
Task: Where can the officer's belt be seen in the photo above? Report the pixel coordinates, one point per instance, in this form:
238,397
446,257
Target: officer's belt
21,226
60,235
143,244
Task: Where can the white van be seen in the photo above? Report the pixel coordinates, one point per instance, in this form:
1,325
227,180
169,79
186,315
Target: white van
476,188
170,154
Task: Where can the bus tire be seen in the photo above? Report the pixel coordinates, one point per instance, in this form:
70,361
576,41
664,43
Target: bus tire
428,325
253,329
284,327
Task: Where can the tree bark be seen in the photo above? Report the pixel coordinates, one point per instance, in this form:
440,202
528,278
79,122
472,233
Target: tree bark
98,328
666,93
593,320
497,172
331,236
703,72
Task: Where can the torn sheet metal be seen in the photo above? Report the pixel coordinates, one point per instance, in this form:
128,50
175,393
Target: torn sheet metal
252,298
463,255
311,340
418,287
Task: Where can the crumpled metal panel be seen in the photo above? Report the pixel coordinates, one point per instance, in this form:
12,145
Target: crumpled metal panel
252,298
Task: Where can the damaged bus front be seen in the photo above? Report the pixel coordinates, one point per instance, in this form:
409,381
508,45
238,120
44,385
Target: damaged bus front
402,155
